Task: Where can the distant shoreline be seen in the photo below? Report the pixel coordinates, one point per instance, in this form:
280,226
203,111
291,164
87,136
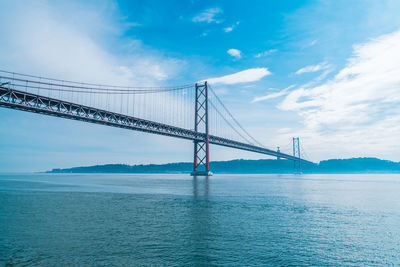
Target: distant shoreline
241,166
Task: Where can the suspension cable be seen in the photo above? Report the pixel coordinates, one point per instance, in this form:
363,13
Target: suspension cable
87,90
94,84
223,117
237,123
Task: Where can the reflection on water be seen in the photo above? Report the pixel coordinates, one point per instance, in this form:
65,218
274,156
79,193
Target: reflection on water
201,221
71,219
204,182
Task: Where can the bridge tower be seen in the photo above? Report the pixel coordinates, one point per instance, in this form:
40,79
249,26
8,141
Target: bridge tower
296,154
201,163
279,151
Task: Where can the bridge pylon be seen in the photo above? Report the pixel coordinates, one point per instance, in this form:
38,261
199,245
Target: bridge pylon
296,154
201,163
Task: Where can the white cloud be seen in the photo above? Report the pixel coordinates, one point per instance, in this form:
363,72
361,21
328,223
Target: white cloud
272,95
313,68
356,112
209,15
231,28
235,53
249,75
266,53
49,43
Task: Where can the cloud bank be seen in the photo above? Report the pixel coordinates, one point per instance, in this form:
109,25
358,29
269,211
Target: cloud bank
43,40
358,109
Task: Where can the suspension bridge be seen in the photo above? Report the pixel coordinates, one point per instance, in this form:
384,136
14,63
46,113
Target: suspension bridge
192,112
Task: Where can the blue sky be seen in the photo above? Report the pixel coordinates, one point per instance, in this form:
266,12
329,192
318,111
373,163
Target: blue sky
327,71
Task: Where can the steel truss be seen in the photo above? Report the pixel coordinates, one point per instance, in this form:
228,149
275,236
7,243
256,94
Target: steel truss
20,100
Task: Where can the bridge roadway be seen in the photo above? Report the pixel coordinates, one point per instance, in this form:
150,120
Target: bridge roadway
20,100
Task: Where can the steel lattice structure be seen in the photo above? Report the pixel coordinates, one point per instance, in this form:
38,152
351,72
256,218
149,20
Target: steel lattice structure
26,101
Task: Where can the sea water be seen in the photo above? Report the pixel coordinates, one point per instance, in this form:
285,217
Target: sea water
178,220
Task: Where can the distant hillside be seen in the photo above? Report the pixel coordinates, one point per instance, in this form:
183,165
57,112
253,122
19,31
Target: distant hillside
353,165
357,165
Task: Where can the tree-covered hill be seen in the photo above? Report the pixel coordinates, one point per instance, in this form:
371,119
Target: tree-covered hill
353,165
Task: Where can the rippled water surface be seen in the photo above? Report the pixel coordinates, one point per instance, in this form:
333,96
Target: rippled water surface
121,219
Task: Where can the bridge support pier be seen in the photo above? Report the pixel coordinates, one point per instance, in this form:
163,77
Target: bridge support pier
201,162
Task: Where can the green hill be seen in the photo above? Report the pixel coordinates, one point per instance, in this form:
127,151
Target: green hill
353,165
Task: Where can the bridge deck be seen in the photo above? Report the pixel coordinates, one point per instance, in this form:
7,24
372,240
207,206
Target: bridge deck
20,100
